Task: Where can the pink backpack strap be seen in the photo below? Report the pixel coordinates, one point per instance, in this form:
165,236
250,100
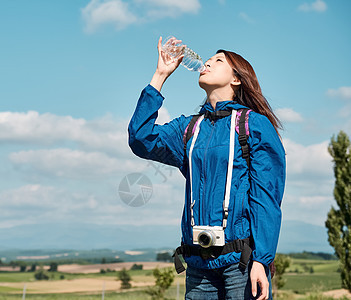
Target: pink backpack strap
242,128
238,116
191,128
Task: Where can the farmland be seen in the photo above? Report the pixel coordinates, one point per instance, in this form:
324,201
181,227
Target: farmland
305,279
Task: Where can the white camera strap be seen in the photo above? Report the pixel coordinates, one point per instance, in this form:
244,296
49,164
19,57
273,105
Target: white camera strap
230,168
229,172
192,202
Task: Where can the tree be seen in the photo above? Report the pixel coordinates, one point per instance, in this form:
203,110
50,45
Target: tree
41,274
53,267
339,219
281,263
33,267
164,256
124,276
23,266
136,267
164,279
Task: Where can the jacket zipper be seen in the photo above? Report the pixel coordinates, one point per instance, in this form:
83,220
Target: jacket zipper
205,175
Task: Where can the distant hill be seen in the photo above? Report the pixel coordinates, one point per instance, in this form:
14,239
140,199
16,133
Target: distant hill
68,256
313,255
295,237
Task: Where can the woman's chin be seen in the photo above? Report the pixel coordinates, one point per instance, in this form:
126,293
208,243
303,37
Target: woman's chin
203,84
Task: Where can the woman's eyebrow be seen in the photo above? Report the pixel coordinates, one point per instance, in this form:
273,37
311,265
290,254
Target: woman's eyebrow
219,56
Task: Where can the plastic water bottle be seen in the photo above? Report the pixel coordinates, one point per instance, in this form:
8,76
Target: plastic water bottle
191,60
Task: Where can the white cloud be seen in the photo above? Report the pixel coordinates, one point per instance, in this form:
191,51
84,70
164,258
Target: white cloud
310,161
308,209
343,92
315,200
317,6
288,115
309,183
103,134
163,116
71,164
102,146
114,12
121,14
246,18
33,195
32,204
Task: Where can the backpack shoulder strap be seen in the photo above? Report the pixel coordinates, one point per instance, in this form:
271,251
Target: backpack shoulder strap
189,130
243,131
242,128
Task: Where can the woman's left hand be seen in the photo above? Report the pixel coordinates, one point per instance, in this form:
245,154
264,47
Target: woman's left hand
258,275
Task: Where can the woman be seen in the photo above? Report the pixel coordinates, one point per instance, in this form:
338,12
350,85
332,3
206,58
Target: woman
255,190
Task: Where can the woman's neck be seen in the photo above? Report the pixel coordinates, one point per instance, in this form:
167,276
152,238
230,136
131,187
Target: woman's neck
219,95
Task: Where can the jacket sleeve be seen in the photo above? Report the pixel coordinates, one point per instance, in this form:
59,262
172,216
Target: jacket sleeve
162,143
267,174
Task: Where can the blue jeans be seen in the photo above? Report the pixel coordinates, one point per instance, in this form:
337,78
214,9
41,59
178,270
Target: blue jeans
227,283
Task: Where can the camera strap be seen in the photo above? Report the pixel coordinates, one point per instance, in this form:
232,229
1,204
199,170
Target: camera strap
230,168
192,202
229,171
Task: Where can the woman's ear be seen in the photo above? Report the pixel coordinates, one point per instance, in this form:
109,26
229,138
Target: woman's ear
236,81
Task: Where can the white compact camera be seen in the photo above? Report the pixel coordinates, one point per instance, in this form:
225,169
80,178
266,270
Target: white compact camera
207,236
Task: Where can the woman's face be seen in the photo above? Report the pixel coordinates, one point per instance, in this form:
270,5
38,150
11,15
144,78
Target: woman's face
218,74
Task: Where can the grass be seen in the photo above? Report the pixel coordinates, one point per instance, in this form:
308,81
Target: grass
16,276
324,277
301,265
312,296
317,282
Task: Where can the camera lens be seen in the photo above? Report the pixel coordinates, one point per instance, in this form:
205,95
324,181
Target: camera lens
205,239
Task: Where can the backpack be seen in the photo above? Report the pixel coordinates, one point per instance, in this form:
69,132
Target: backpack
242,127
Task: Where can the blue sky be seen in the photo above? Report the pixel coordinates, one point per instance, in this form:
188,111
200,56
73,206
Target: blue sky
71,73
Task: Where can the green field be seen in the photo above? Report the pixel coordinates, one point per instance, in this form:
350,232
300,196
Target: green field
305,279
324,277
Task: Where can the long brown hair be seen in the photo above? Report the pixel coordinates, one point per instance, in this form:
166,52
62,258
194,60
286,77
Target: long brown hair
249,93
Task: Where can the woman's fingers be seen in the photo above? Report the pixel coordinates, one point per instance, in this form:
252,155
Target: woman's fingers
167,63
264,286
253,286
159,44
179,60
258,277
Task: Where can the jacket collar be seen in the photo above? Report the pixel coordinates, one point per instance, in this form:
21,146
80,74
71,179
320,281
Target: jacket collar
220,105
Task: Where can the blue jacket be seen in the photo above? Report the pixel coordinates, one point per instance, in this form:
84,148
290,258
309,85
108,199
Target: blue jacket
256,192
